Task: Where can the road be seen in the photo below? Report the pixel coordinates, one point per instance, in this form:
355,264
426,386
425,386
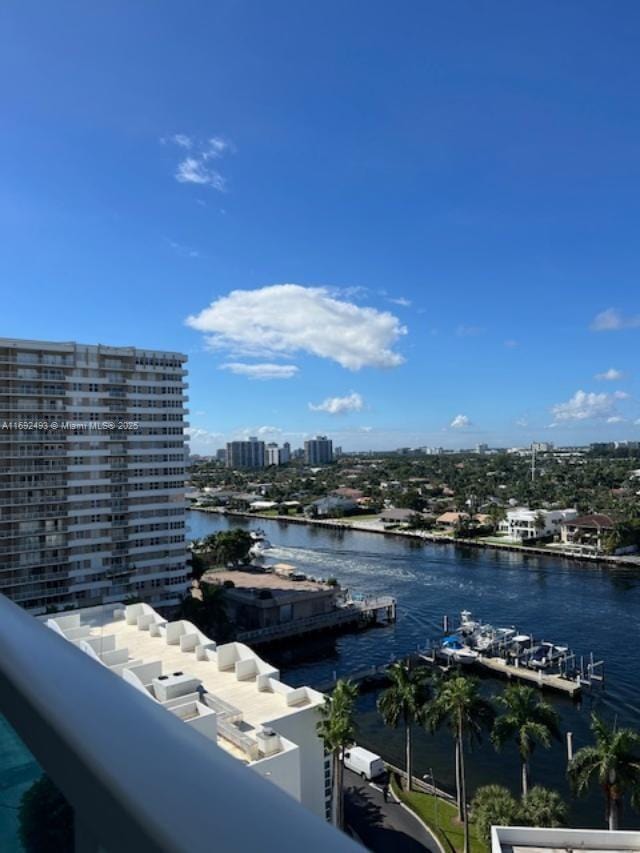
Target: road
382,827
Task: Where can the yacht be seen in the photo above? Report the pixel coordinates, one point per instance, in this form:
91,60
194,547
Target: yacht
455,651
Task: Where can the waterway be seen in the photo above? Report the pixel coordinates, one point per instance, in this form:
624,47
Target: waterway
586,607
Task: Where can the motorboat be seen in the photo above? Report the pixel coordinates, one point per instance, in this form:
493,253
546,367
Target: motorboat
519,645
257,535
468,625
545,655
455,651
260,547
488,639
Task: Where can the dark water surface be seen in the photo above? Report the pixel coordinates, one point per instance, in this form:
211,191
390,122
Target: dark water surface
587,607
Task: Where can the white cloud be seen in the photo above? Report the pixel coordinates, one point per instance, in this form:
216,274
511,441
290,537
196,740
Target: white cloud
611,375
522,422
182,140
402,301
283,319
584,406
511,343
612,320
202,437
616,419
339,405
366,429
621,395
262,370
196,167
184,251
460,422
268,430
463,331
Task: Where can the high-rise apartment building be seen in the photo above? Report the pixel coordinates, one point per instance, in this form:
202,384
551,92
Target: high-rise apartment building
246,454
92,474
275,455
318,450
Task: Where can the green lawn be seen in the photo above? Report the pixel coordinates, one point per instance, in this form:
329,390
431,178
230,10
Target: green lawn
447,828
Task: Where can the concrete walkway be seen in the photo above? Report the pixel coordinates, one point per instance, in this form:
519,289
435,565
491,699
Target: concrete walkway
383,827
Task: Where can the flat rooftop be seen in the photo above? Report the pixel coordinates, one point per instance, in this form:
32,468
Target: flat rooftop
231,673
264,580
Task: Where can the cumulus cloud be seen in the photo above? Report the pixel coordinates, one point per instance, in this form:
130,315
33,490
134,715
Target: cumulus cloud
284,319
616,419
584,406
197,164
202,437
613,320
262,371
339,405
268,430
611,375
460,422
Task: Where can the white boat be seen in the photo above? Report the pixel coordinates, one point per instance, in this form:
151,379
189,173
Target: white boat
545,655
468,625
260,547
455,651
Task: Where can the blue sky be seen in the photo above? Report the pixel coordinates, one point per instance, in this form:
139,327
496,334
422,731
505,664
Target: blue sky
450,190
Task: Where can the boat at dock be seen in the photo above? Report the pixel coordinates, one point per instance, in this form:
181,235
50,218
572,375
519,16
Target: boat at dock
544,656
453,650
512,654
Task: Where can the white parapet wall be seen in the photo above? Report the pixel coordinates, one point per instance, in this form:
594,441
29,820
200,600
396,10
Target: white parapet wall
227,692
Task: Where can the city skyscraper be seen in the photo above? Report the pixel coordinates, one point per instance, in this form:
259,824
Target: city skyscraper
318,450
246,454
92,474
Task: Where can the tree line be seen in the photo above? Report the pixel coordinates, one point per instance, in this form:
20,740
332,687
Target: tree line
518,718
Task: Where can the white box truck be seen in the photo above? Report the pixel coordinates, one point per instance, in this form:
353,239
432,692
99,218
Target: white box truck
364,763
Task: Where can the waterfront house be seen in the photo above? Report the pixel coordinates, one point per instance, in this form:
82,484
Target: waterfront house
522,523
333,506
262,600
587,531
450,519
397,515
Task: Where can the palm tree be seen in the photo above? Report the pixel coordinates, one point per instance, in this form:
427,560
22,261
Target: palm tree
493,805
527,720
404,700
337,730
459,705
614,762
543,807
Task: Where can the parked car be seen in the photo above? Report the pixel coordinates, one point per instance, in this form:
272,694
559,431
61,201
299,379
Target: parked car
364,763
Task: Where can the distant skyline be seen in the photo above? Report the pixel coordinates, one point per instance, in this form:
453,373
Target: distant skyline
394,226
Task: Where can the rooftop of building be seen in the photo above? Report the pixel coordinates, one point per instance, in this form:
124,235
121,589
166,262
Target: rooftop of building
230,679
519,839
266,580
595,519
70,346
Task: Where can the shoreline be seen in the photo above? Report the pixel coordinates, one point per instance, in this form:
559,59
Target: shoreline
631,560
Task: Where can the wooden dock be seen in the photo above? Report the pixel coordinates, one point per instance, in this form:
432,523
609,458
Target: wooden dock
572,687
498,666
